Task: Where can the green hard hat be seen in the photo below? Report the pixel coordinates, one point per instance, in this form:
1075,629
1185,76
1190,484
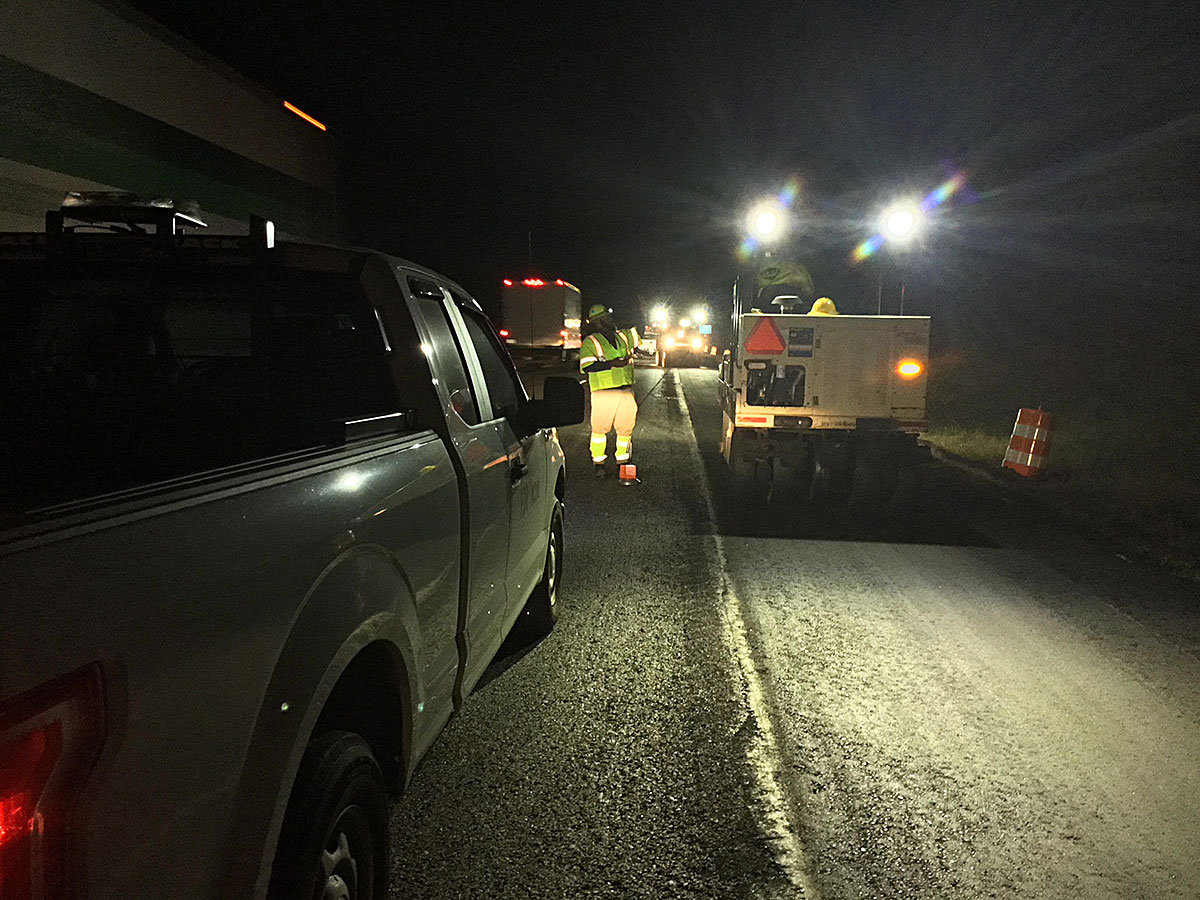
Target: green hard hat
596,310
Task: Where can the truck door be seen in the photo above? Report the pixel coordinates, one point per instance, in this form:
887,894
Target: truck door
484,456
529,497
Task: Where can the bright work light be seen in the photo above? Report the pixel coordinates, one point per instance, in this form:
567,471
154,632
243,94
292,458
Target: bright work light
900,223
766,221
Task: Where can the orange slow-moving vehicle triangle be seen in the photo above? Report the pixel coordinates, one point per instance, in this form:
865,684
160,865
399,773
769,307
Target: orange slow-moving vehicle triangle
765,338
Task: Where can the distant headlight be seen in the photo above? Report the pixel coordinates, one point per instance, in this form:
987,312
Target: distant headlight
697,343
670,342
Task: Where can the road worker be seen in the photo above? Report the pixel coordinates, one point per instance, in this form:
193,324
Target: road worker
606,357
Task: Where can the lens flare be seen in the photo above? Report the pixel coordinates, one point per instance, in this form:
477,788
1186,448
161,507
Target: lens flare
933,199
787,196
944,192
867,247
762,232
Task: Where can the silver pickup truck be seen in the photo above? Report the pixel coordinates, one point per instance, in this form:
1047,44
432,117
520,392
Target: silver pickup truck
268,511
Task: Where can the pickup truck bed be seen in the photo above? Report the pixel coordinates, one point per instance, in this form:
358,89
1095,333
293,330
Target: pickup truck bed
268,511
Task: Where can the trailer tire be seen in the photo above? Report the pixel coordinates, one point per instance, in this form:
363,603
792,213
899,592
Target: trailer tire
830,485
872,487
908,494
750,475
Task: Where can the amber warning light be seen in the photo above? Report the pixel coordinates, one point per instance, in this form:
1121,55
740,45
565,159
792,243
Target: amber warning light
909,368
302,114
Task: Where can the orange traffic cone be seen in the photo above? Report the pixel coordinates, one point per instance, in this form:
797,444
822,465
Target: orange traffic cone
1029,448
628,473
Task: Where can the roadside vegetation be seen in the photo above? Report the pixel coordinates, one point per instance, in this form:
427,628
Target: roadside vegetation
1125,454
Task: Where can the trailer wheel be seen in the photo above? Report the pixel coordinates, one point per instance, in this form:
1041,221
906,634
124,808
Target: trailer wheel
872,486
908,496
829,488
751,475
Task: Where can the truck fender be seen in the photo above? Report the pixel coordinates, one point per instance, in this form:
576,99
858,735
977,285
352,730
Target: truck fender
361,598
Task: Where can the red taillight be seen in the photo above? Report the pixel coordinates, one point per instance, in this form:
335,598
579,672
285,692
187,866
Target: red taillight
503,332
49,739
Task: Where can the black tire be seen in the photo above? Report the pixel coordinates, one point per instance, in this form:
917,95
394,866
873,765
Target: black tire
829,487
541,610
750,477
908,499
334,840
872,486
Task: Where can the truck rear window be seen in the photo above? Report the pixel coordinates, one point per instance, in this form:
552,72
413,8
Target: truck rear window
117,376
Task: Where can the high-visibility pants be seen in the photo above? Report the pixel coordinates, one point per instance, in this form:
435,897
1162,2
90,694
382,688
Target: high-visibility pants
613,408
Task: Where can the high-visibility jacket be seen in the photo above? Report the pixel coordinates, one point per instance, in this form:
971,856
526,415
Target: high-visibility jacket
596,348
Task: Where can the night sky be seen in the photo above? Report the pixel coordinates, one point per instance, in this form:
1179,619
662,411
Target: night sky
629,140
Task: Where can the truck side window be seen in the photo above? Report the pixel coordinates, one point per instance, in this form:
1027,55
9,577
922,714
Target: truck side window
327,358
447,358
503,386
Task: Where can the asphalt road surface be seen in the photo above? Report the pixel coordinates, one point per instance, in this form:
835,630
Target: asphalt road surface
745,700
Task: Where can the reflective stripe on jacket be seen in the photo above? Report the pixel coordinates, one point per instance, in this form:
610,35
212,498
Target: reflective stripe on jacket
596,348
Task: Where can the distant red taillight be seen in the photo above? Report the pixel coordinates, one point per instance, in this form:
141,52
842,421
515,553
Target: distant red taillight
49,740
503,332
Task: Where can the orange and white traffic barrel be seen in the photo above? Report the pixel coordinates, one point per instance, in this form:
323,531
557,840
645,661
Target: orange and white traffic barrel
1029,447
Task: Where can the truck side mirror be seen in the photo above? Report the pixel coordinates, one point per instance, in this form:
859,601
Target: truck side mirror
561,404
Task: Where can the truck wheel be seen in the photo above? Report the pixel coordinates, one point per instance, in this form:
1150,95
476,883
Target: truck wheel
334,840
541,610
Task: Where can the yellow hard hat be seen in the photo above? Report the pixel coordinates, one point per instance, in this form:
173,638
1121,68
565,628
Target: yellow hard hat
823,307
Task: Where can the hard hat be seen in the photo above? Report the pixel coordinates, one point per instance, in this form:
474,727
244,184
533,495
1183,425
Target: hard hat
823,307
596,310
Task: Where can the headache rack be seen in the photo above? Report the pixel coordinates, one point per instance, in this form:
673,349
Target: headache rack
128,214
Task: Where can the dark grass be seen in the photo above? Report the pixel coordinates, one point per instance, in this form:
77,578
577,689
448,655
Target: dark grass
1125,454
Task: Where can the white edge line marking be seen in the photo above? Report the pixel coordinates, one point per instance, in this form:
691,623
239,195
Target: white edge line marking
763,751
